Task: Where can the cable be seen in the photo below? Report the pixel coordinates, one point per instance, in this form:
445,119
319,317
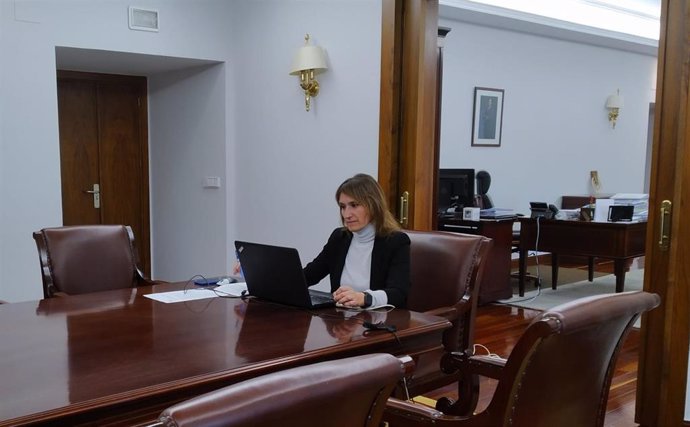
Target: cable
489,353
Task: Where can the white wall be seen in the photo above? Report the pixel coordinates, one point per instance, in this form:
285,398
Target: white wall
291,160
188,143
281,166
555,124
30,169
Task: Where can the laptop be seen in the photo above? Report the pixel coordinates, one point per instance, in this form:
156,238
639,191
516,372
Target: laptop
274,273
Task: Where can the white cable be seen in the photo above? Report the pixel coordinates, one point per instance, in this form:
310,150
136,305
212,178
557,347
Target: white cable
489,353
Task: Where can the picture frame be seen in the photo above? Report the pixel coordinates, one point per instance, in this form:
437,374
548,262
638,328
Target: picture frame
487,117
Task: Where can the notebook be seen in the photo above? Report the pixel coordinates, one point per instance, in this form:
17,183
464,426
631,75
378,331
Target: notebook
274,273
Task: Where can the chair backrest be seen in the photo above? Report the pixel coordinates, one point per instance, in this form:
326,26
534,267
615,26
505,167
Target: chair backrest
445,272
345,392
482,199
87,258
559,372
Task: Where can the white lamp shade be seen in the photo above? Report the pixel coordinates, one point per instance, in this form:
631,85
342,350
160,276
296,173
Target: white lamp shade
309,58
614,101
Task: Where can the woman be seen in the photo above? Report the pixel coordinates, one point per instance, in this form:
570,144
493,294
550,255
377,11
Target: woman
368,259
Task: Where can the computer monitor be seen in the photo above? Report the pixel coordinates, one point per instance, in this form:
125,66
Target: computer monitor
455,188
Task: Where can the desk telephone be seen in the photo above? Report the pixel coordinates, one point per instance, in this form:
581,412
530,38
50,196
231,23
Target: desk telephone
542,210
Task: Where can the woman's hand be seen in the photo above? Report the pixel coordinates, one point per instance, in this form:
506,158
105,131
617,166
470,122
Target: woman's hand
346,296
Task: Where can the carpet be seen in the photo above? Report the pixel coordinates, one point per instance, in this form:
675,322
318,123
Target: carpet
549,298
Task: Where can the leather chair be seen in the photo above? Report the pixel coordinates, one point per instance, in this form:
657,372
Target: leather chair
347,392
87,258
445,271
558,374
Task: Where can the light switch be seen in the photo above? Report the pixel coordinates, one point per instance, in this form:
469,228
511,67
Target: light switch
212,182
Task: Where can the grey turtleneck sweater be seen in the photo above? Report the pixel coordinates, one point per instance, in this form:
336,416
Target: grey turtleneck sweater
357,270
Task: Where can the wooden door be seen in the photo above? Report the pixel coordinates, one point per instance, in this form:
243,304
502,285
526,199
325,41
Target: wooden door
663,364
104,142
407,128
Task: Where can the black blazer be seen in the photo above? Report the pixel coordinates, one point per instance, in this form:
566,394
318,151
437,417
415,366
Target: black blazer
390,264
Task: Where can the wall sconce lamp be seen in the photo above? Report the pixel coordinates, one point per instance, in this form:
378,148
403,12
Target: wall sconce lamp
614,104
308,61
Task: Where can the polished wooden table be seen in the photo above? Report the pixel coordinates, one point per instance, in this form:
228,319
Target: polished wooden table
496,278
118,358
619,241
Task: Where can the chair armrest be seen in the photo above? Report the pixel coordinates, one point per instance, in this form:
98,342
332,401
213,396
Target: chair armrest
60,294
403,413
486,366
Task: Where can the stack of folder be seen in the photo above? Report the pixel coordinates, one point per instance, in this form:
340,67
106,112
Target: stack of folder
496,213
639,201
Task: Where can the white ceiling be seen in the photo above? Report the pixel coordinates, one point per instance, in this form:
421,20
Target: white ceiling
622,24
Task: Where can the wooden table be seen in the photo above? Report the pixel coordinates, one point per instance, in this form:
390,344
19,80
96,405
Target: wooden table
119,358
619,241
496,279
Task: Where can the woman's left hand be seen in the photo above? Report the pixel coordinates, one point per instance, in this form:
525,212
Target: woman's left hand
348,297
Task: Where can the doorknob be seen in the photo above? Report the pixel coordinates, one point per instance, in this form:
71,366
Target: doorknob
96,195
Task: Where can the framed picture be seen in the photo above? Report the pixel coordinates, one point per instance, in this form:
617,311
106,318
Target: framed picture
487,117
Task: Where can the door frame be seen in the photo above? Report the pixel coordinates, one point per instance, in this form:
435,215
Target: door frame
143,241
662,371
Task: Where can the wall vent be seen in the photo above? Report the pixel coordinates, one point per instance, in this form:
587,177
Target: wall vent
143,19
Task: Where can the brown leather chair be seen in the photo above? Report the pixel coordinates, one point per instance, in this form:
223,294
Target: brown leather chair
558,373
445,271
87,258
347,392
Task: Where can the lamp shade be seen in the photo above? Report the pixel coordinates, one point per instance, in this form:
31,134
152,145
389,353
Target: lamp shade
309,58
614,101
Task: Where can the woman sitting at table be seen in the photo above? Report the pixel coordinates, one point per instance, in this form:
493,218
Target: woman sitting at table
368,259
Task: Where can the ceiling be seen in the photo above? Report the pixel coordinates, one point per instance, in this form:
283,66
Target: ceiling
632,25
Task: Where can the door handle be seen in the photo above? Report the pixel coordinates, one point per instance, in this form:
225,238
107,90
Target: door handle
665,232
404,208
96,192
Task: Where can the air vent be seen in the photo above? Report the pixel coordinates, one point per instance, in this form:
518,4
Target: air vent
143,19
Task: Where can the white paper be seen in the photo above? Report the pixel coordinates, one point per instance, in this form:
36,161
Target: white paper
601,209
230,290
180,296
631,196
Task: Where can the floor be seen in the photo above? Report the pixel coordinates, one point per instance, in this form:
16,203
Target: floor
498,327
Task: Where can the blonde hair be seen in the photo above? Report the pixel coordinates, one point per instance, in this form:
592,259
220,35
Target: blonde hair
364,189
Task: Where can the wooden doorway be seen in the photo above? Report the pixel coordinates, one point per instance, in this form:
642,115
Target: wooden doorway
104,153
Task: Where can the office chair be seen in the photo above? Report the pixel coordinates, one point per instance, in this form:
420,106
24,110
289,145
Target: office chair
445,271
558,374
87,258
345,392
482,199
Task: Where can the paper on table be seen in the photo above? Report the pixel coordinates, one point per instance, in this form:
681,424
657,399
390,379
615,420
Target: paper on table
180,296
373,307
230,289
601,209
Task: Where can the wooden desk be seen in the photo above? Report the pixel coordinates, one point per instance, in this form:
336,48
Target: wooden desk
619,241
119,358
496,280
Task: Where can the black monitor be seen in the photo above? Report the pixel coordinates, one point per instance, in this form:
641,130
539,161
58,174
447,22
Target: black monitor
455,188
